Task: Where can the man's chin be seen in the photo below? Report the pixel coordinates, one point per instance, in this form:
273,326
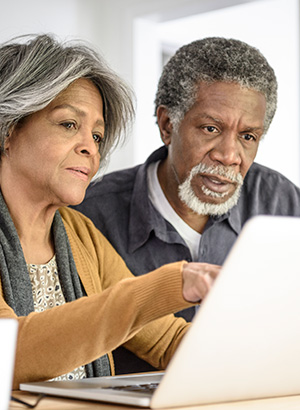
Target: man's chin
202,198
214,200
209,205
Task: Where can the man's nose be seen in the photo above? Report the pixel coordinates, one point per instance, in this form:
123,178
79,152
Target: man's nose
227,150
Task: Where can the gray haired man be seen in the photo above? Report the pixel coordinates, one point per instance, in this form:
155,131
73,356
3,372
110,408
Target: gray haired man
215,101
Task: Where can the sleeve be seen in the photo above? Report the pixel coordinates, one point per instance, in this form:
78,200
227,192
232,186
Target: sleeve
156,342
58,340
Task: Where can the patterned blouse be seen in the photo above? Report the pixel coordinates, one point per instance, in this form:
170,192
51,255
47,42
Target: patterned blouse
47,293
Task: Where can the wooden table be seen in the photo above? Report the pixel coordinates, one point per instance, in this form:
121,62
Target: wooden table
54,403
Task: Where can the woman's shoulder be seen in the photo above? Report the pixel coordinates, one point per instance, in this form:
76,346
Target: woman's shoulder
86,239
80,227
73,217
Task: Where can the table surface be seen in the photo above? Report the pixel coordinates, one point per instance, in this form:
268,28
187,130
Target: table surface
55,403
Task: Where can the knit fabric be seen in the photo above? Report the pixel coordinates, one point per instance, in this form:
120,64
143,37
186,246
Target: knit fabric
16,282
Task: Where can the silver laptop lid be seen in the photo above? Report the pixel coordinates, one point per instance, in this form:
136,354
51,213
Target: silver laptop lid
8,331
245,339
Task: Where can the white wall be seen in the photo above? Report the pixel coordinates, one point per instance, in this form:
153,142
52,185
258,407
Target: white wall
270,25
110,25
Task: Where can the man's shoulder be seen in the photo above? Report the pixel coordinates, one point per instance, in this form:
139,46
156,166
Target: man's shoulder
262,175
119,183
266,191
113,182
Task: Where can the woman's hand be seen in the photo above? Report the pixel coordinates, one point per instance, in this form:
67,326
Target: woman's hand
197,279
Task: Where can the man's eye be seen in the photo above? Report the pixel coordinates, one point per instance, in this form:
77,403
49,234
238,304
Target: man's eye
248,137
210,128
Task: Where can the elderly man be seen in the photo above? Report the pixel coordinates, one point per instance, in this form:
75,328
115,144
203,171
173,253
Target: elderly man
215,101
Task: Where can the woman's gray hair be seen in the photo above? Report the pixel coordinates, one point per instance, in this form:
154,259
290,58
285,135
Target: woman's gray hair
35,69
210,60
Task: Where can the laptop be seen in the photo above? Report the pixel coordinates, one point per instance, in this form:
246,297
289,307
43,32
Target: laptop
244,342
8,332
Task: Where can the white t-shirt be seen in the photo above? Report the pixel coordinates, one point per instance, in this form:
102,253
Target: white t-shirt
162,205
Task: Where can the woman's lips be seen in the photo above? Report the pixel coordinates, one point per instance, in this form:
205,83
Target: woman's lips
80,172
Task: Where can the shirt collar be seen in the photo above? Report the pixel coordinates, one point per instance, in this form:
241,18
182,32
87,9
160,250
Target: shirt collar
233,217
143,217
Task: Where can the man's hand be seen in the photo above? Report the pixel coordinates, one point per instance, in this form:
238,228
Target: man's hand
197,279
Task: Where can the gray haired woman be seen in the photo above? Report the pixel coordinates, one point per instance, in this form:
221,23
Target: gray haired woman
61,110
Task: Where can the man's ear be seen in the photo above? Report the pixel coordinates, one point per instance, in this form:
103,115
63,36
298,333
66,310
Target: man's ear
164,123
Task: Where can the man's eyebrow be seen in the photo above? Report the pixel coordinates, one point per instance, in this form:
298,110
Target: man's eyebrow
77,111
220,121
253,129
208,117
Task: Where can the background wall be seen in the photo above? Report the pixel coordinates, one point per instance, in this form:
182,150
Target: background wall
134,34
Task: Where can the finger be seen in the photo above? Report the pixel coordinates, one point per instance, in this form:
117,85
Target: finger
214,271
209,280
205,268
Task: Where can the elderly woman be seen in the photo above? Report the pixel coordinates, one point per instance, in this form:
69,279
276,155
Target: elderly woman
61,109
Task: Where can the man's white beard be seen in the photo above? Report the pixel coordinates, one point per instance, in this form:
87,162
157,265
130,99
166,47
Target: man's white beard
187,195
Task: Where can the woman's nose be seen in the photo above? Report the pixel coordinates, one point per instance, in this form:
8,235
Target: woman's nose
87,145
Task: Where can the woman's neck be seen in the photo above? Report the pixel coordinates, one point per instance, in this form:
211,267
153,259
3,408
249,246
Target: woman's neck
33,223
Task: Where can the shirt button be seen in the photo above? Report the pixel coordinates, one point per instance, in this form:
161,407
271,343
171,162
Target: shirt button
203,250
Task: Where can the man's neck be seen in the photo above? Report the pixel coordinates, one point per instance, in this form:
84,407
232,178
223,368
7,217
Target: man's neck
169,184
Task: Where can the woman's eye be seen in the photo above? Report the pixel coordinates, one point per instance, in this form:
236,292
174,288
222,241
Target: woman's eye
68,125
97,138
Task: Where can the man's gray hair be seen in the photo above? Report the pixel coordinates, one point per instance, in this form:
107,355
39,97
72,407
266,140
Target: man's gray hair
35,69
210,60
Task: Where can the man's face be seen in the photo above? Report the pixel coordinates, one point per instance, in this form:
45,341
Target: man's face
215,145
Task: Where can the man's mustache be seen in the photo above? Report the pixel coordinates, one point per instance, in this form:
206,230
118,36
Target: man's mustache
219,170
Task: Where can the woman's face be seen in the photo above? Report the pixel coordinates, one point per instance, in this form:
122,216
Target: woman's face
53,155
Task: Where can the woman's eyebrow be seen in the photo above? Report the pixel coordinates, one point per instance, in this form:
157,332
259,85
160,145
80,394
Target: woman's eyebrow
78,111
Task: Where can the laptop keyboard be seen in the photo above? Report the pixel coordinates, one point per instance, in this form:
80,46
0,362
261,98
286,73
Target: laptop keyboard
140,388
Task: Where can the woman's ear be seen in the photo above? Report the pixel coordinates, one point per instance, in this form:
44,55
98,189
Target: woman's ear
7,140
8,137
164,123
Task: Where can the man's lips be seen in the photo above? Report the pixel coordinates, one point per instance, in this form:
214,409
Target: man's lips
80,172
217,183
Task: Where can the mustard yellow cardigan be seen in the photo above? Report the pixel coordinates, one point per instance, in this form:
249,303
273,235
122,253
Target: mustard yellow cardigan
119,309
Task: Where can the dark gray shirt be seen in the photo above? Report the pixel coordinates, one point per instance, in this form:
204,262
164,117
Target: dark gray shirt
119,206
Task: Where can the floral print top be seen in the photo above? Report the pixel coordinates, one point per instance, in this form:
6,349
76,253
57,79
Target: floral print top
47,293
